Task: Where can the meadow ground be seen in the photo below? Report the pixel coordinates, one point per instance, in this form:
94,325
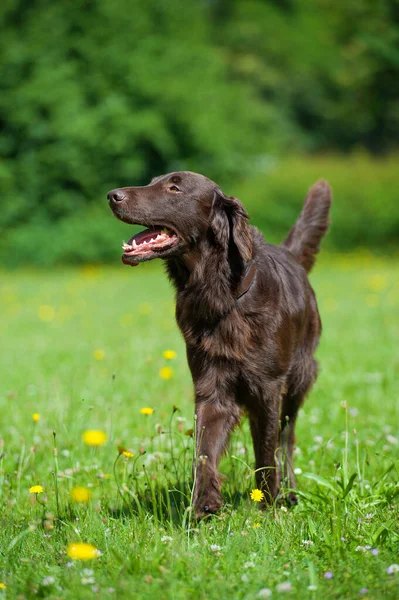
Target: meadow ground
83,350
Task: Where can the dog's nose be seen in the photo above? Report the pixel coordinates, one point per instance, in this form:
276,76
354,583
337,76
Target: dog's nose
116,196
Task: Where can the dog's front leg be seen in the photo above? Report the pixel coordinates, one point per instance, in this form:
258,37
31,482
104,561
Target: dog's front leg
215,421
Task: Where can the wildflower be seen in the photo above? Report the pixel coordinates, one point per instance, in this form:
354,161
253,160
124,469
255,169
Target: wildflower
46,313
49,580
82,551
257,495
99,354
169,354
363,591
80,494
166,373
255,525
125,452
312,588
307,542
264,593
249,565
2,586
328,575
94,437
166,538
284,509
375,552
244,578
215,548
146,410
297,470
36,489
284,587
88,580
35,417
392,569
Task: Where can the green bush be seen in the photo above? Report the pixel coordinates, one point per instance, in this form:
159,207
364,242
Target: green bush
365,211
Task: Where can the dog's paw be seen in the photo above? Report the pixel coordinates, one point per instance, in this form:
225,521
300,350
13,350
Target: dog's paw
208,503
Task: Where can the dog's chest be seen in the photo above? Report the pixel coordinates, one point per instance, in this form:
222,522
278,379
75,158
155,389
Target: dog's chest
226,336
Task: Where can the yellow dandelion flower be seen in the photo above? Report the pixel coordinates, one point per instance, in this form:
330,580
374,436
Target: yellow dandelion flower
255,525
166,373
99,354
169,354
94,437
80,494
81,551
128,454
146,410
257,495
35,417
2,586
377,283
46,313
36,489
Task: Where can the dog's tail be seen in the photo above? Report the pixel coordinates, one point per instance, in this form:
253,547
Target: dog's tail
304,238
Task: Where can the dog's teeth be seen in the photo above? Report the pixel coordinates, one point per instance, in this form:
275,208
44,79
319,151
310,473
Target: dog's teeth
134,244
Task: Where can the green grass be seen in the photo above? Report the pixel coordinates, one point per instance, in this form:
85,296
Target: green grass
347,438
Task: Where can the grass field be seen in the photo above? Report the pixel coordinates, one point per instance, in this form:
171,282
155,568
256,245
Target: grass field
84,350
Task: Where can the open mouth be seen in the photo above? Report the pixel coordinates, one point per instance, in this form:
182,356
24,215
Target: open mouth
148,244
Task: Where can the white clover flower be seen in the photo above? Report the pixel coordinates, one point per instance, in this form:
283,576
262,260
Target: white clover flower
49,580
215,548
285,586
264,593
392,569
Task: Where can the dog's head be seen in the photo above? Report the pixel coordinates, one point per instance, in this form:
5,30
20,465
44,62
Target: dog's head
180,210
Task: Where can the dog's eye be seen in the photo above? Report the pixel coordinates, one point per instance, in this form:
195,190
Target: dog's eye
174,188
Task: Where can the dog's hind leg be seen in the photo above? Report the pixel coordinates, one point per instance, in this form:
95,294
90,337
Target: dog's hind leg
299,384
264,412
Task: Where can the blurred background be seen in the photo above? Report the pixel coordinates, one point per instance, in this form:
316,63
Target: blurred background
264,96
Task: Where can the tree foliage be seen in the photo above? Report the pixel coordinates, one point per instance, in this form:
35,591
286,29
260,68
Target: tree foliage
98,94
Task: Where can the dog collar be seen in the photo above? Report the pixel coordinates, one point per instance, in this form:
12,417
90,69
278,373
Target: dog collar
247,279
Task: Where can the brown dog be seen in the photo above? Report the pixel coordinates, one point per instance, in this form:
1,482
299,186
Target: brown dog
246,310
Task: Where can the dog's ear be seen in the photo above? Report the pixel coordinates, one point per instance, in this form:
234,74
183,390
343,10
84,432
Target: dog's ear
229,223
